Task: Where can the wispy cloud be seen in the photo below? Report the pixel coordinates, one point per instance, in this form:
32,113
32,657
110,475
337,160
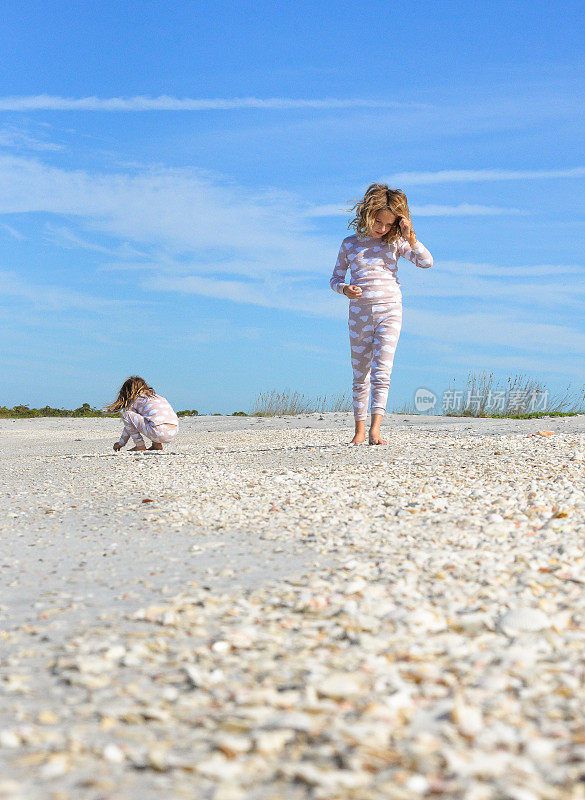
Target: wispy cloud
18,137
478,175
459,268
268,294
516,289
517,106
461,210
53,298
62,236
465,210
474,329
187,232
183,213
487,329
12,231
44,102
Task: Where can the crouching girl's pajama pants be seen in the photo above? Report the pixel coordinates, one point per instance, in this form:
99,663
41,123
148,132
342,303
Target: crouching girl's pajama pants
373,337
135,425
375,317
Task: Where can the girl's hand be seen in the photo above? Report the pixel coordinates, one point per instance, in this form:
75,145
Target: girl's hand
406,228
353,292
117,446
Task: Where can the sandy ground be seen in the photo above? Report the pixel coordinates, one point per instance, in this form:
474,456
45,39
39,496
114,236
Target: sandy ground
237,506
59,491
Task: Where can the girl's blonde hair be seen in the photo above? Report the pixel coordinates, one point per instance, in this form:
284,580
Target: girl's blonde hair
379,197
129,391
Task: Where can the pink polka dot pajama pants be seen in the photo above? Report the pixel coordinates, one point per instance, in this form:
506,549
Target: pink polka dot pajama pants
135,425
373,335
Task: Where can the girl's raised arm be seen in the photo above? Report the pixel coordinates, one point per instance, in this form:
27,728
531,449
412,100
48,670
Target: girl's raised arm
337,281
419,255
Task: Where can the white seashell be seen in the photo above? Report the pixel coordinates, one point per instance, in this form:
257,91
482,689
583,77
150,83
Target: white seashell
418,784
427,620
240,638
520,793
55,767
341,686
218,767
115,653
355,586
194,675
468,719
331,780
271,742
541,748
295,720
229,791
232,745
523,620
351,607
113,754
9,739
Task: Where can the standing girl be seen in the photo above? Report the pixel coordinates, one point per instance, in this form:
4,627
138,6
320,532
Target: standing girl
384,232
144,412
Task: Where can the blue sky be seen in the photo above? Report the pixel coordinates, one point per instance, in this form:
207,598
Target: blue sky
173,179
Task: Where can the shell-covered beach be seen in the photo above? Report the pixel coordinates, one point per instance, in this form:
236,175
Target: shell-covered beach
262,612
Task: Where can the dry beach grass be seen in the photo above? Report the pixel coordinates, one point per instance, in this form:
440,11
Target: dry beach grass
274,403
290,617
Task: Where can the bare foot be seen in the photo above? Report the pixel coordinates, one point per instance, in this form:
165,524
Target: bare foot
359,432
156,446
375,437
139,448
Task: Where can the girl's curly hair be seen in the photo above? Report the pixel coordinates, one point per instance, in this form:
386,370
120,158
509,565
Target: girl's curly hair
129,391
379,197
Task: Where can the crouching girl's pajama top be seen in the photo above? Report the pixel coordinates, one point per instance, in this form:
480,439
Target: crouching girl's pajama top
152,416
375,318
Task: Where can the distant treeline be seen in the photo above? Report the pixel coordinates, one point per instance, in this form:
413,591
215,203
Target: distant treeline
84,410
